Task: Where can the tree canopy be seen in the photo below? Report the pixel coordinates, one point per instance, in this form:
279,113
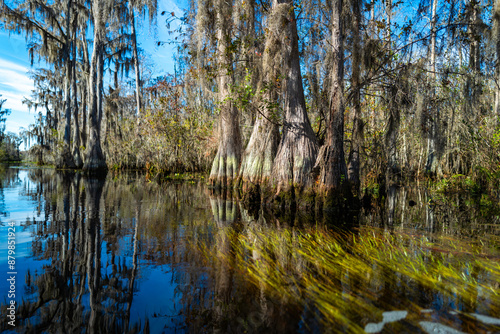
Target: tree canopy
279,97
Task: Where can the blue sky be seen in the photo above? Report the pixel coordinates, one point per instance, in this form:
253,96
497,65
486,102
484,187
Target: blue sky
15,64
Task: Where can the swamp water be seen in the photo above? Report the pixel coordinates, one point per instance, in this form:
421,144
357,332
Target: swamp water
123,255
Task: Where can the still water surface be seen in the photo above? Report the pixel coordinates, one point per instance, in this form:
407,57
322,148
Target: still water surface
121,254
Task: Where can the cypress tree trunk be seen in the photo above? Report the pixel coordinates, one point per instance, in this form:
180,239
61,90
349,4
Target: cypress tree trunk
496,38
65,160
331,161
392,133
136,61
475,55
94,158
257,162
84,130
496,22
298,146
100,86
432,164
226,163
251,37
393,117
388,13
353,170
258,158
76,132
472,87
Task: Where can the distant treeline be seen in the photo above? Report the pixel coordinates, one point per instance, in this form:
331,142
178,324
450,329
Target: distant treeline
9,142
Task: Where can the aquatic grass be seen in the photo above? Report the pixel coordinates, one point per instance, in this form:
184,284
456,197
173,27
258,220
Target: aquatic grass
447,273
337,270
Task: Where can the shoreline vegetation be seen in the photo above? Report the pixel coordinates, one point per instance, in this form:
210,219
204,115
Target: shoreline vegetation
287,102
440,192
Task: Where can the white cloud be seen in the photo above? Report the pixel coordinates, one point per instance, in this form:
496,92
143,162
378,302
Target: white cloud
15,126
12,66
14,85
15,82
14,101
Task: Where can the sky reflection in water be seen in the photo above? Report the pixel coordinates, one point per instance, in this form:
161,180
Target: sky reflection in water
125,255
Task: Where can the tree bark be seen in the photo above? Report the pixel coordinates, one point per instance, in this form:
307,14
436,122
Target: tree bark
136,61
496,22
94,158
86,69
258,158
472,89
353,170
65,160
394,116
432,164
392,134
331,161
226,163
388,13
100,87
298,146
472,85
76,132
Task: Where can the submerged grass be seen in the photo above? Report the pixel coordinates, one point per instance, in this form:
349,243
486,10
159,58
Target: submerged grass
351,277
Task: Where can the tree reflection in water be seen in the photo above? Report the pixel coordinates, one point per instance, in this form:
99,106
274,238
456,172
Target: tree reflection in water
124,255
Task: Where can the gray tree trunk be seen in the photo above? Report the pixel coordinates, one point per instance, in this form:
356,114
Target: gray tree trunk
94,158
136,61
298,146
496,22
76,132
86,68
258,158
392,133
227,160
471,86
471,89
100,87
388,13
65,160
432,164
331,160
393,117
353,170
